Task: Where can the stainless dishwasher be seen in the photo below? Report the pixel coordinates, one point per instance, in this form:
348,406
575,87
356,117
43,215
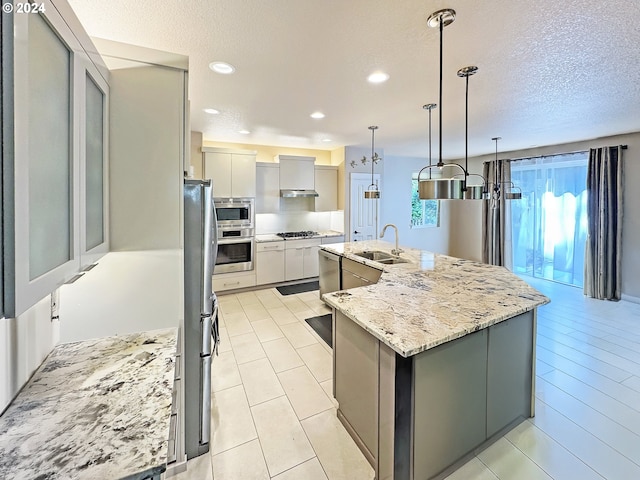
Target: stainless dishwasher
329,272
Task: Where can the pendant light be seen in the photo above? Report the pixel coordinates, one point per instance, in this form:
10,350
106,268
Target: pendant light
471,192
511,191
449,188
372,191
440,188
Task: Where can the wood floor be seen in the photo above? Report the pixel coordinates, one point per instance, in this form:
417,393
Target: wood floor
272,388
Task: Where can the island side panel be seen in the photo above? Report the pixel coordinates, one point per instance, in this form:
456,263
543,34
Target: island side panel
509,371
356,383
387,415
403,452
450,398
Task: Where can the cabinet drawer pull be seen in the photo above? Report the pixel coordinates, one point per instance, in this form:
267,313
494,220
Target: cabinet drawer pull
232,283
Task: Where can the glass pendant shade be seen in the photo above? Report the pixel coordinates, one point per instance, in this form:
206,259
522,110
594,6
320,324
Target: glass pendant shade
440,189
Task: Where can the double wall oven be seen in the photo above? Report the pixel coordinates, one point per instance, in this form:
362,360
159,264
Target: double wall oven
236,234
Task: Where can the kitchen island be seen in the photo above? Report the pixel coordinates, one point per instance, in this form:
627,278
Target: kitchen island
94,409
434,361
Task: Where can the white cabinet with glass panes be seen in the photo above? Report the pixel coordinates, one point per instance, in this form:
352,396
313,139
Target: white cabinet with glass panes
55,180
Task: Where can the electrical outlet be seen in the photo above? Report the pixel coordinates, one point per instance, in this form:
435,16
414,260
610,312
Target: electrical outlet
55,305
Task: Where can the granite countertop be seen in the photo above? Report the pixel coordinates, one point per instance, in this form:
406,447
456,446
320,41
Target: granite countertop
94,409
431,299
272,237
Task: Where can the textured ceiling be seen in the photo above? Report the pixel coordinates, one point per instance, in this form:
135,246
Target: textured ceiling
549,72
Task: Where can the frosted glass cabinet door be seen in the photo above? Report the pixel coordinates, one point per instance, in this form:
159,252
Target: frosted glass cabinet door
42,226
50,152
94,165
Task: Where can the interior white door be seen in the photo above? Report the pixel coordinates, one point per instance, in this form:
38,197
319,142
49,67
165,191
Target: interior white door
363,222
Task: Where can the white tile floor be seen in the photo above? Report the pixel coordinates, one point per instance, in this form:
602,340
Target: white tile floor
274,417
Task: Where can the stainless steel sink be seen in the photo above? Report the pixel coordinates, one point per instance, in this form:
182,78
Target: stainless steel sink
375,255
381,257
393,260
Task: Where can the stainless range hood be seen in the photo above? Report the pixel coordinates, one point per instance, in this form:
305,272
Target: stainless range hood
298,193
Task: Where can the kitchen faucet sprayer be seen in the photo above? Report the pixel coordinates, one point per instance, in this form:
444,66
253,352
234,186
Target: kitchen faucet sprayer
397,250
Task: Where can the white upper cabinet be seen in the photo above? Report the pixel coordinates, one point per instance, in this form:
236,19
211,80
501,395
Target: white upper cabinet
296,173
267,187
327,188
55,100
232,173
94,166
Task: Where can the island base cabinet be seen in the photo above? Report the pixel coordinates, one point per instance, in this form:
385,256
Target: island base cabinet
509,372
450,397
356,382
422,416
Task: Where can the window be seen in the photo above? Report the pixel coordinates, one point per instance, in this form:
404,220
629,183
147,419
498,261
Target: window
549,224
424,213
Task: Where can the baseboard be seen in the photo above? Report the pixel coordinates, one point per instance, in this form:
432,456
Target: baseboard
630,298
176,467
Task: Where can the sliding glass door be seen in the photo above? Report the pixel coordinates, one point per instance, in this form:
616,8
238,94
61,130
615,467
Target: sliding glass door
549,224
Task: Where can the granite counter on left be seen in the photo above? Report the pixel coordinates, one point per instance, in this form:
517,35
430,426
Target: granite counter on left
94,409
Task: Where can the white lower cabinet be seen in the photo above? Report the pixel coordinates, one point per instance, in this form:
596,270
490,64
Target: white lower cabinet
270,262
233,281
301,258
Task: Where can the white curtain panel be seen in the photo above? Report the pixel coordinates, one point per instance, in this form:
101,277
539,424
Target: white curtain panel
602,271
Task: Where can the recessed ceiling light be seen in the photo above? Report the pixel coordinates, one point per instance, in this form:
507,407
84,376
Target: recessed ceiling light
212,111
378,77
326,139
244,132
222,67
317,115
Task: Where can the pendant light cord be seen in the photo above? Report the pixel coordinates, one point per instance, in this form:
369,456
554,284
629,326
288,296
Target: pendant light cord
440,99
430,143
466,129
373,133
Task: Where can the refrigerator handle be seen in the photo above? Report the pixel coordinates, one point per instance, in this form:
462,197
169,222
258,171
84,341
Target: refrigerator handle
214,230
215,333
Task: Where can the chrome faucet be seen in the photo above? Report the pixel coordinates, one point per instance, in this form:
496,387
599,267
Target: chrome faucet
397,250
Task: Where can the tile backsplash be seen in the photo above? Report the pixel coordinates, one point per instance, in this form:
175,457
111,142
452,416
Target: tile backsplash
299,220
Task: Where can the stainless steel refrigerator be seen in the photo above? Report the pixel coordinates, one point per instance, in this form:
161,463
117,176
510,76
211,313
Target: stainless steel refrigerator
200,313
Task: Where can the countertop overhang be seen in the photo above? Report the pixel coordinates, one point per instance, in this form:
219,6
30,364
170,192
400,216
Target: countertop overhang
94,409
431,299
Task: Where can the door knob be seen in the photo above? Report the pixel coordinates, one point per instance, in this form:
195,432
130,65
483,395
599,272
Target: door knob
356,232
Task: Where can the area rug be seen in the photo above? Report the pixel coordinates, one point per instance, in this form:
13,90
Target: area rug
322,326
298,288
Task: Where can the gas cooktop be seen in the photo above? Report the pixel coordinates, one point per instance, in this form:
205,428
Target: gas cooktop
300,234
